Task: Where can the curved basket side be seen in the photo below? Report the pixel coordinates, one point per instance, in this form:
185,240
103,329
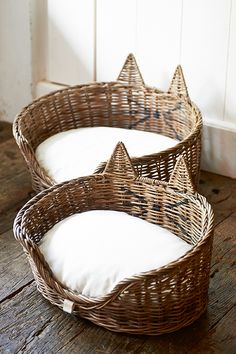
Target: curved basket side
118,105
39,177
138,304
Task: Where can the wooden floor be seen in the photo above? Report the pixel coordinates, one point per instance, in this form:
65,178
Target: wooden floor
30,324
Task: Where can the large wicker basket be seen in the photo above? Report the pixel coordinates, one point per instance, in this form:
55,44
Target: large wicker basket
127,103
154,302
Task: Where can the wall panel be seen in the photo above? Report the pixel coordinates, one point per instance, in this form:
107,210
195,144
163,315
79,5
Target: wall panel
205,34
230,98
71,44
116,36
158,39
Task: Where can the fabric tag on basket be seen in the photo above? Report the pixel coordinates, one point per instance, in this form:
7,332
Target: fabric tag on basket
68,306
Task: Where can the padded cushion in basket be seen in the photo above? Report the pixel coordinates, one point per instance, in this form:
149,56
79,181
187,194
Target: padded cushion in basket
77,152
92,251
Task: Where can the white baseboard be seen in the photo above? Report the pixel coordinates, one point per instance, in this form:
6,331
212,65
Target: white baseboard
45,87
219,147
219,139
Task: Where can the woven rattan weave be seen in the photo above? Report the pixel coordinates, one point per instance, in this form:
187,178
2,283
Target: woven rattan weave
127,103
155,302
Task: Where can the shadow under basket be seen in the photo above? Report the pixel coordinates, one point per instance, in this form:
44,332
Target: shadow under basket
155,302
128,104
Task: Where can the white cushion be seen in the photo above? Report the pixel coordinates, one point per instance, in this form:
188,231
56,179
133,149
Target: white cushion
92,251
77,152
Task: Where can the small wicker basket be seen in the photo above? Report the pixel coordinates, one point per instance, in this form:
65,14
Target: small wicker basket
127,103
154,302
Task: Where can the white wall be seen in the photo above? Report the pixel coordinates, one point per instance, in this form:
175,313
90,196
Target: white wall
77,41
70,45
89,39
15,57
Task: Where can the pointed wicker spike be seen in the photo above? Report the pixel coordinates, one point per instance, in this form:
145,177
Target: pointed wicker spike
120,163
178,85
180,178
130,73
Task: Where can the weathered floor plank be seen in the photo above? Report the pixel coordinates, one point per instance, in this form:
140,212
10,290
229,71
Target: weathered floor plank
220,191
7,217
5,131
221,339
15,183
15,271
29,324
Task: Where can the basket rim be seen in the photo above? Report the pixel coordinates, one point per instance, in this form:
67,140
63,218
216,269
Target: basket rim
43,174
99,302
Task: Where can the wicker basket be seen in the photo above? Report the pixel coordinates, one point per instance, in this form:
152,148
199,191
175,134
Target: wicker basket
127,103
154,302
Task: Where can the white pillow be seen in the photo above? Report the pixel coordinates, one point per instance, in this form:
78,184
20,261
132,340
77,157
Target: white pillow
77,152
92,251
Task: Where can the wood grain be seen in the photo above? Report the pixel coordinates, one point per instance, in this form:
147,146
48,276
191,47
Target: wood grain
15,182
7,216
220,191
221,339
30,325
15,271
5,131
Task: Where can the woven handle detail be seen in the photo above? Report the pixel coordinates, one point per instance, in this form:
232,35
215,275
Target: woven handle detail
178,85
180,178
130,73
120,164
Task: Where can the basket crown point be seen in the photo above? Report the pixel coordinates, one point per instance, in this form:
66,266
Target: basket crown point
120,163
130,73
130,56
178,85
180,178
179,67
